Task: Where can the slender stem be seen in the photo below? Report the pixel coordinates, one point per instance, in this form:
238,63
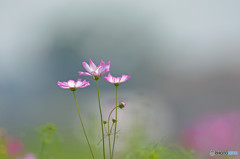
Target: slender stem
111,128
114,138
109,133
100,109
109,142
105,129
110,115
83,125
42,150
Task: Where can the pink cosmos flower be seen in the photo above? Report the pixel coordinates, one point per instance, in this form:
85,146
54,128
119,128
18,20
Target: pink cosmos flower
72,85
117,80
14,146
215,132
29,156
95,71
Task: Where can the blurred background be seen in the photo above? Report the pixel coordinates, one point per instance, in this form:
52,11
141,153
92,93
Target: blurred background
183,57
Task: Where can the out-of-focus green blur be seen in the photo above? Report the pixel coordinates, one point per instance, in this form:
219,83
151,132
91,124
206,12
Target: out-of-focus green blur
183,57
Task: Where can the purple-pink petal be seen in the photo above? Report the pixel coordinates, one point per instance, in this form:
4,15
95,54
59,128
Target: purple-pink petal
82,84
92,65
63,85
117,80
85,84
108,64
103,68
106,68
84,73
78,83
71,83
109,78
95,71
102,63
87,68
124,78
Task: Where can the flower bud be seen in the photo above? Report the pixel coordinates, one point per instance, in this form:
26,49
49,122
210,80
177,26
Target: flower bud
104,122
121,105
114,120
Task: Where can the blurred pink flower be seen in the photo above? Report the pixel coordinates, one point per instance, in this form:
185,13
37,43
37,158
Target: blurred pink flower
116,80
28,156
72,85
219,132
95,71
14,146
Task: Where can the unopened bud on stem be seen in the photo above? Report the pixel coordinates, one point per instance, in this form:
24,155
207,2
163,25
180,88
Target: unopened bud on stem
121,105
104,122
114,120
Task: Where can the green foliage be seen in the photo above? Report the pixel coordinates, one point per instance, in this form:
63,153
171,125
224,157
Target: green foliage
2,150
47,145
159,152
2,144
47,133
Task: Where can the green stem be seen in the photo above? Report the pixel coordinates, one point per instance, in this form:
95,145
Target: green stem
83,125
105,129
100,109
114,138
109,142
111,128
110,115
109,133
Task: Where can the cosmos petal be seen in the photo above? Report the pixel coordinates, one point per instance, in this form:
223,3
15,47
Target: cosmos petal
94,71
124,78
62,85
71,83
92,65
102,63
84,73
116,80
106,68
87,68
111,78
78,83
